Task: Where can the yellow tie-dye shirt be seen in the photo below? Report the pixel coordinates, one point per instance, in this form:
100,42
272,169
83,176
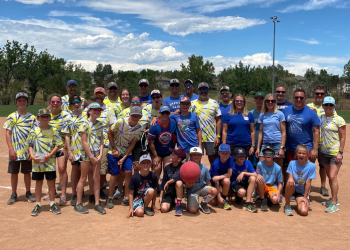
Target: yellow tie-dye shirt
329,135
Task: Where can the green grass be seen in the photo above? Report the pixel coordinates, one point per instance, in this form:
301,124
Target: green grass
345,115
5,110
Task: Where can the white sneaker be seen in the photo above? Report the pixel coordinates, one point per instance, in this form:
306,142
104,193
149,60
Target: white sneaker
117,194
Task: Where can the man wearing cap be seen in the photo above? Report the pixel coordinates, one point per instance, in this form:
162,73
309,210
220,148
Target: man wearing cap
188,87
188,130
72,89
122,136
172,185
173,101
153,108
18,125
144,95
209,115
112,98
281,97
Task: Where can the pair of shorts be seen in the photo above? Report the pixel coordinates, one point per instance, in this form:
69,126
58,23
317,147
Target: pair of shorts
169,195
104,162
59,153
213,183
290,155
39,176
114,168
164,155
209,148
238,185
275,146
193,198
297,195
14,166
137,152
85,157
326,159
138,200
246,149
269,190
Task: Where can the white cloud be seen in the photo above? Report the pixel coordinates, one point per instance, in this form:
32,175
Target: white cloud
156,55
38,2
315,4
67,13
310,41
317,59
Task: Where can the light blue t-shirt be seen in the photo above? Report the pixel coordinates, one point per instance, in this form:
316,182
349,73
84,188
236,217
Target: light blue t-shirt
301,174
201,182
256,125
194,97
172,102
271,175
271,126
299,124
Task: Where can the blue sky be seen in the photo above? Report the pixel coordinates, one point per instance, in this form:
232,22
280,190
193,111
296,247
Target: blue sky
161,34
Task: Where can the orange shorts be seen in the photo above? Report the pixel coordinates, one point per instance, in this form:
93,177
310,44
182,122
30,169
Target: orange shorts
269,190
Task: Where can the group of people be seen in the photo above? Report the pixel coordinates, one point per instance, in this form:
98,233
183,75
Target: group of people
142,140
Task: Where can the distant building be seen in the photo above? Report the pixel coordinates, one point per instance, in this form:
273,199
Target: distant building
344,89
163,82
300,79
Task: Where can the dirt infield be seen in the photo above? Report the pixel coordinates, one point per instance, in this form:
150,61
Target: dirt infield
220,229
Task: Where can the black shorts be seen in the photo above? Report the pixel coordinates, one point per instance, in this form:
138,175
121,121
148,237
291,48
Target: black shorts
213,183
169,196
246,149
164,155
238,185
137,152
297,195
58,153
39,176
14,166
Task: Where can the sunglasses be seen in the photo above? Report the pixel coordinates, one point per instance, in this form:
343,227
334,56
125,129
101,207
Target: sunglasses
239,101
165,113
174,85
280,92
99,94
113,88
328,105
319,93
224,92
203,89
135,102
143,85
299,97
72,86
270,101
74,102
55,102
188,85
268,153
156,97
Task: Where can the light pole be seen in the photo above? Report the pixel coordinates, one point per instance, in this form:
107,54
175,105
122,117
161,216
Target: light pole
274,19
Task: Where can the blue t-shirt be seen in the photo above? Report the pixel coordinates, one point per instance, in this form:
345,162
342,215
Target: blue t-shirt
224,110
271,126
186,127
238,129
236,170
201,182
271,175
172,102
301,174
299,124
219,168
163,136
194,97
283,105
256,125
146,100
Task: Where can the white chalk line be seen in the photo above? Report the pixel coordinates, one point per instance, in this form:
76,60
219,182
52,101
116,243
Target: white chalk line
7,187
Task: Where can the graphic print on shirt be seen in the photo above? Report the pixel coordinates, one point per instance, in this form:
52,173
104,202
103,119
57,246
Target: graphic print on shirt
301,180
165,137
295,123
183,125
143,187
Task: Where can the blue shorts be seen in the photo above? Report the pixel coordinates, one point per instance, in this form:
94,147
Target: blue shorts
113,167
275,146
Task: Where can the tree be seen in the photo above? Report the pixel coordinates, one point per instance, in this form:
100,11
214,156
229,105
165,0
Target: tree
346,72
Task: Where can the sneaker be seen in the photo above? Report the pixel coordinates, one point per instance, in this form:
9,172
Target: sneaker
103,196
329,202
332,208
204,207
12,199
36,210
91,198
292,199
281,199
148,211
73,201
30,196
59,188
104,185
227,206
54,209
324,191
117,194
109,203
288,210
62,201
264,205
46,197
178,210
250,207
99,209
125,202
238,200
81,209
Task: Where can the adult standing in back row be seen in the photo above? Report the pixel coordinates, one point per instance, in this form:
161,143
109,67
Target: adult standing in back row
188,87
72,89
281,97
173,101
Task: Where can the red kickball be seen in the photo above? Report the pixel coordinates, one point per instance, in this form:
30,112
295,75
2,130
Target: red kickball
190,172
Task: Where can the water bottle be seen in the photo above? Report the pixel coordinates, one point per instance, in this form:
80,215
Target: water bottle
41,156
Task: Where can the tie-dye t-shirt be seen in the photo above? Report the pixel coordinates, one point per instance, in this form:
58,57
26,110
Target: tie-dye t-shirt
206,111
319,108
65,103
93,133
20,126
144,121
59,122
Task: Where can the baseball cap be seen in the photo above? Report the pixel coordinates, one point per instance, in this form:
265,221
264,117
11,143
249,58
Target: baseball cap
136,110
143,81
164,108
225,88
174,81
268,148
144,158
21,94
239,152
99,89
70,82
179,152
188,80
185,99
112,84
224,148
260,93
156,91
95,105
44,112
203,85
329,99
196,150
73,98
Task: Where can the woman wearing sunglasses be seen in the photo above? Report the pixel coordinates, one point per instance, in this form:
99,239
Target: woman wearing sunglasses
272,130
332,143
238,129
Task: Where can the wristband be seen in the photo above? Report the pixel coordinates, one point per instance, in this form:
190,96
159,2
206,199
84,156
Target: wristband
218,136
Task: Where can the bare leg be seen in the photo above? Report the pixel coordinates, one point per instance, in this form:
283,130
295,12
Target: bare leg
52,189
85,166
27,181
14,182
252,180
38,190
62,170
